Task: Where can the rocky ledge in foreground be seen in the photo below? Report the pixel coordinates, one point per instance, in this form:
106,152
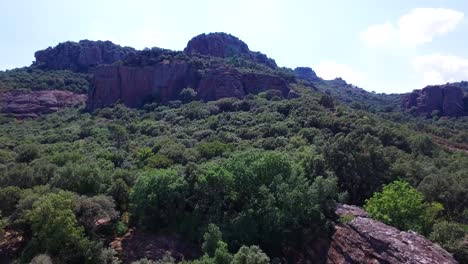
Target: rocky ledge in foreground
364,240
23,104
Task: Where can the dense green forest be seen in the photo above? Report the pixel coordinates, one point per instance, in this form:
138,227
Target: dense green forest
245,179
32,78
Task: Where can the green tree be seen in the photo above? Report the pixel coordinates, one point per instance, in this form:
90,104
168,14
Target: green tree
119,135
158,198
27,153
56,231
211,239
250,255
402,206
187,95
451,236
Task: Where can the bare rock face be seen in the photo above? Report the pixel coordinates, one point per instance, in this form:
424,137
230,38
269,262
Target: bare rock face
364,240
163,82
136,245
447,99
22,104
134,85
307,74
225,45
81,56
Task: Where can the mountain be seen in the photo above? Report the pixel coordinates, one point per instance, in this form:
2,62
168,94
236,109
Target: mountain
81,56
215,154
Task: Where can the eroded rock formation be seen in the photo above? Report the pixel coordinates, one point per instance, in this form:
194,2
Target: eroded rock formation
225,45
364,240
306,74
446,99
21,104
163,82
81,56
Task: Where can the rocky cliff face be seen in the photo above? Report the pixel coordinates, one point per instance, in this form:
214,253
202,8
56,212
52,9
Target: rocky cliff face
447,99
225,45
306,74
21,104
81,56
364,240
163,82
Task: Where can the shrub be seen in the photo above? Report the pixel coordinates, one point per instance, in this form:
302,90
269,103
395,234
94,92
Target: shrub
27,153
402,206
451,236
158,198
250,255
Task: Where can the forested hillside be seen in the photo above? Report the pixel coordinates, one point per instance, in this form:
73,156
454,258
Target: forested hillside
252,179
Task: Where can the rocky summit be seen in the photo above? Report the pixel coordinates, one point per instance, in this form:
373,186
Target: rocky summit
225,45
447,100
162,77
81,56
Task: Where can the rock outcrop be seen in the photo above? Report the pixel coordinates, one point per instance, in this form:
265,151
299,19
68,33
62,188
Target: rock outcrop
306,74
163,82
446,99
136,245
225,45
21,104
81,56
364,240
12,243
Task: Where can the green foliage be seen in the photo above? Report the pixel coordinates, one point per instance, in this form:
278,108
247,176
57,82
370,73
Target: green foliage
9,198
211,239
250,255
87,180
187,95
209,150
402,206
266,171
344,219
26,153
56,231
451,236
158,198
30,78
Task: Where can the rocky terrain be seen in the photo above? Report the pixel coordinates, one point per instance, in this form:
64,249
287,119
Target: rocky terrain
447,99
22,104
163,81
364,240
224,46
81,56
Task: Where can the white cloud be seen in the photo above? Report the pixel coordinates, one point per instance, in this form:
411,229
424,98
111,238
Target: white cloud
329,70
379,35
439,69
417,27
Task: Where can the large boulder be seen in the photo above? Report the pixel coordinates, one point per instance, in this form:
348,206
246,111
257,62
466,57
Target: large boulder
22,104
446,99
80,56
364,240
225,45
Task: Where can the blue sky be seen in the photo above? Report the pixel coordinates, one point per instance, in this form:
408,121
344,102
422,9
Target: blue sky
382,46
